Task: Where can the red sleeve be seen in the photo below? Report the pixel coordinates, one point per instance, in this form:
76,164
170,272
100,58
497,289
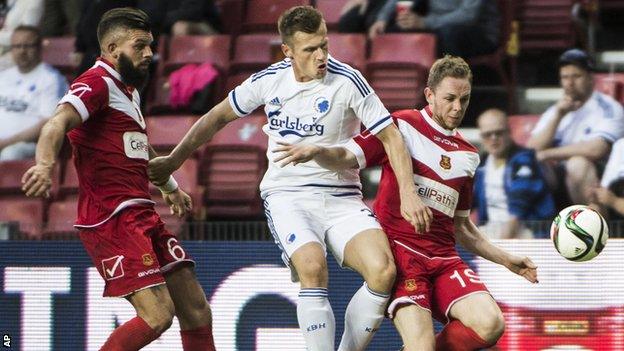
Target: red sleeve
88,94
465,199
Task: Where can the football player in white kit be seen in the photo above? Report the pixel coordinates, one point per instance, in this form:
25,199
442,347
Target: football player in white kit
311,97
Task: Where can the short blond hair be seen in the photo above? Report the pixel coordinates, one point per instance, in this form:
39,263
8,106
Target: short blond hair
448,66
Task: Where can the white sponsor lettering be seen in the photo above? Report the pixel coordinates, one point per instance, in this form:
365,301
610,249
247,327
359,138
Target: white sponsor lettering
437,195
445,141
148,272
135,145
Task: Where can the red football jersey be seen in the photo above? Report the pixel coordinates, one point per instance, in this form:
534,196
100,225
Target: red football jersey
444,164
110,147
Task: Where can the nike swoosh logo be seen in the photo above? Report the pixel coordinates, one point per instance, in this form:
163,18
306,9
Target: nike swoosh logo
111,271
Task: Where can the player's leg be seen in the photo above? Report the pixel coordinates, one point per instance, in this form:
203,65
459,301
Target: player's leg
415,326
475,320
357,242
581,176
190,302
155,312
299,232
368,253
192,309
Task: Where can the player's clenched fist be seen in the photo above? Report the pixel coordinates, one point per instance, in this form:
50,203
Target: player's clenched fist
159,169
37,181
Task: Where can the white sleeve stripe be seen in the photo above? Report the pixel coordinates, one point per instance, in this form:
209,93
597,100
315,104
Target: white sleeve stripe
354,148
77,104
381,124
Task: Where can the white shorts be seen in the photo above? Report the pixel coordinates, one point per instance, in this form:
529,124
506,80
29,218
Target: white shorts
297,218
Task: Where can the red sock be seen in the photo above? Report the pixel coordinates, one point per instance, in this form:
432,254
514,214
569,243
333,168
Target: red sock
198,339
458,337
130,336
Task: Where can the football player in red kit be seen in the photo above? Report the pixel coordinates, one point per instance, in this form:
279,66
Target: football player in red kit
432,280
137,257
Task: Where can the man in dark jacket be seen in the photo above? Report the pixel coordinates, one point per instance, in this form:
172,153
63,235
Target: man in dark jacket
509,184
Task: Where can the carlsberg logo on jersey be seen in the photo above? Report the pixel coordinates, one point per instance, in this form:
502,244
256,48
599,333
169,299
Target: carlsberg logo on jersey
295,126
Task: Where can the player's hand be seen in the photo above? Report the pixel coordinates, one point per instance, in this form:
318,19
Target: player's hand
295,154
524,267
159,169
416,212
179,202
37,181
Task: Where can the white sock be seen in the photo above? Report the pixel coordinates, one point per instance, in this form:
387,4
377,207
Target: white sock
364,314
316,319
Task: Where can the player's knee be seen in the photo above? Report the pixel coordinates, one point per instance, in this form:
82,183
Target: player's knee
381,274
160,319
577,167
313,273
491,327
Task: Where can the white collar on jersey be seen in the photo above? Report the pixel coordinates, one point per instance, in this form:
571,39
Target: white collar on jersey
435,124
109,69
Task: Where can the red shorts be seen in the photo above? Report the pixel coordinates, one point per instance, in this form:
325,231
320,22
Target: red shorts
133,250
433,283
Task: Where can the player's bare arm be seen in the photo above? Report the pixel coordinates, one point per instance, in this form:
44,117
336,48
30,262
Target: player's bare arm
37,180
593,149
333,158
473,240
412,207
160,168
179,202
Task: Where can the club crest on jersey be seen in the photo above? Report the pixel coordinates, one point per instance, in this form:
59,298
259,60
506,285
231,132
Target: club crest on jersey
410,285
321,105
147,259
445,162
291,238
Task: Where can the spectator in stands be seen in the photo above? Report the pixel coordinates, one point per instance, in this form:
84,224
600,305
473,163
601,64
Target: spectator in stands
184,17
609,197
16,13
60,17
509,184
576,133
29,93
463,28
358,16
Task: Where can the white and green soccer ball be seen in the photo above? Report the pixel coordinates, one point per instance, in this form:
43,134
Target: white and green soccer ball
579,233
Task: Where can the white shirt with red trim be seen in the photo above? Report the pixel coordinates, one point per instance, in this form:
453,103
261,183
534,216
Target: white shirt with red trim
110,147
444,164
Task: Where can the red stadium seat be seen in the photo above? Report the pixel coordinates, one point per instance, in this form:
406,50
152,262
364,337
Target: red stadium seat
262,15
331,10
57,52
254,52
546,25
11,173
198,49
611,84
26,212
349,48
231,169
61,218
397,68
165,132
521,127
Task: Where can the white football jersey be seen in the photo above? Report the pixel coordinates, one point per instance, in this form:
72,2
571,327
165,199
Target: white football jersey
26,99
324,112
600,116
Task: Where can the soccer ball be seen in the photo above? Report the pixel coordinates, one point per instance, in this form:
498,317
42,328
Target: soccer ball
579,233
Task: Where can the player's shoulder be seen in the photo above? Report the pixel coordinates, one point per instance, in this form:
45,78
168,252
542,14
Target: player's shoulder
272,73
91,79
344,74
464,144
